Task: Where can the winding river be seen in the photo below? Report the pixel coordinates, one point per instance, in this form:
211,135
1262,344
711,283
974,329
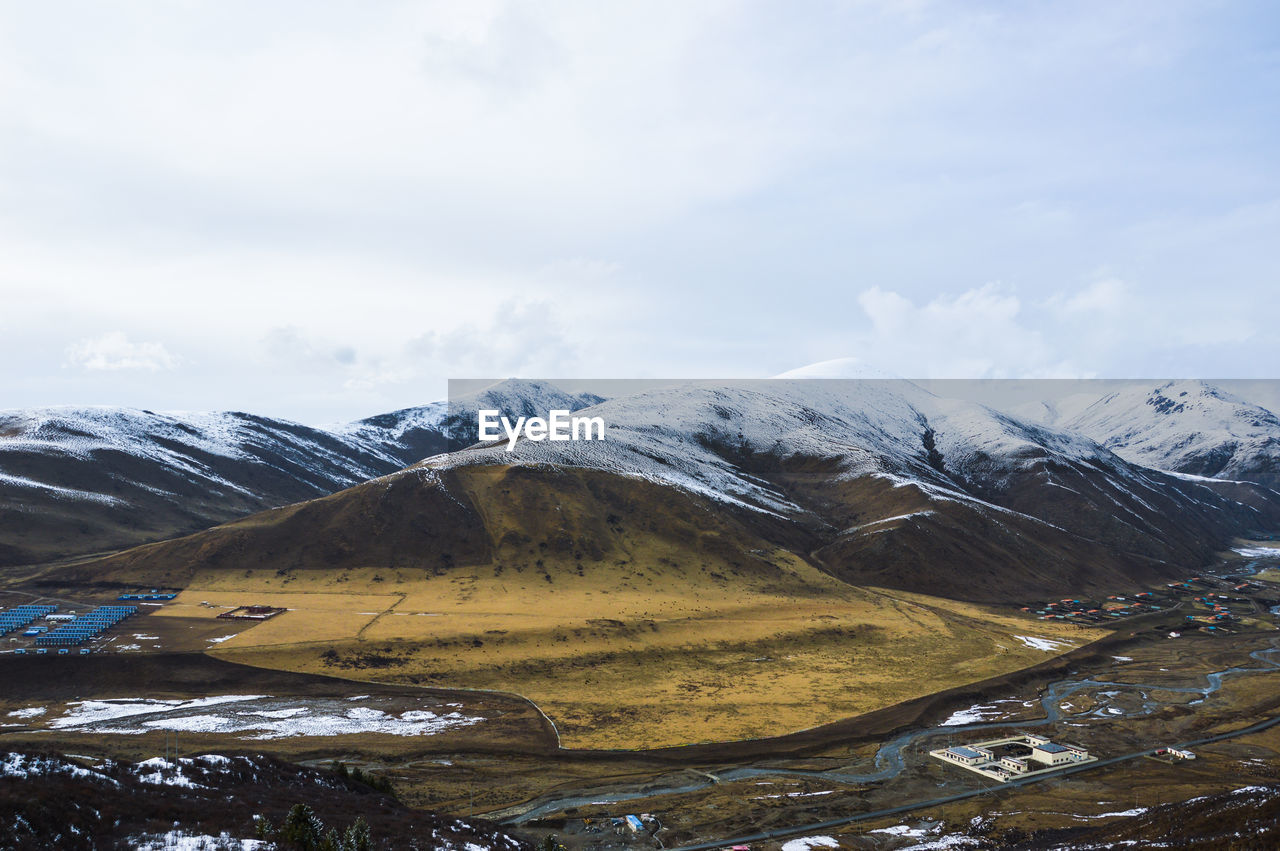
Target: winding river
889,761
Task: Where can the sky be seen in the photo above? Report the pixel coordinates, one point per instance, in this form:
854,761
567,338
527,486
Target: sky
324,210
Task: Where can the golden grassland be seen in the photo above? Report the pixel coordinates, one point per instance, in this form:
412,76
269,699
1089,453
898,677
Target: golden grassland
312,616
631,622
617,666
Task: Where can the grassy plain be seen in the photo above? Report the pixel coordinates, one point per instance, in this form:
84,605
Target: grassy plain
618,663
312,616
633,617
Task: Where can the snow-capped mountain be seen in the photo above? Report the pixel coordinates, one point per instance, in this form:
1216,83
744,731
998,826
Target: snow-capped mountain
680,435
409,433
884,460
75,480
514,398
875,482
1188,427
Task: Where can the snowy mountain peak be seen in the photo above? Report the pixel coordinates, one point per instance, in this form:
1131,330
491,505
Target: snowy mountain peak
1186,426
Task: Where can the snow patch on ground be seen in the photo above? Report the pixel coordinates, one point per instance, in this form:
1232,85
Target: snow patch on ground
972,715
982,712
60,492
1046,644
29,712
1136,811
31,765
1258,552
176,840
164,773
901,830
948,842
255,717
808,842
798,795
953,842
89,714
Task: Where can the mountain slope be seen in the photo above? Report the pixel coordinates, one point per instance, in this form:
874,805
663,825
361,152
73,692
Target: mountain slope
846,460
82,480
734,555
875,482
75,480
1187,427
54,801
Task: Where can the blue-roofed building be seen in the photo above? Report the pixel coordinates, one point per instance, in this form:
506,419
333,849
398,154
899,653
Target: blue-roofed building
88,626
19,616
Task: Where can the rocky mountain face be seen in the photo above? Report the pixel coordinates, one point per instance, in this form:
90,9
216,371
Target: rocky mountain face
1188,427
876,483
77,480
84,480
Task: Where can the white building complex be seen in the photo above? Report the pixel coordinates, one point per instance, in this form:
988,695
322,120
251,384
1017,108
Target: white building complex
1015,756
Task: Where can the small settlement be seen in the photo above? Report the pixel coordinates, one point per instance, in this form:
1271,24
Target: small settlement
1215,603
1023,755
63,631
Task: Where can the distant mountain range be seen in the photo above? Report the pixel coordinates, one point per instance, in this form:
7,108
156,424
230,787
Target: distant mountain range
75,480
1188,427
83,480
874,482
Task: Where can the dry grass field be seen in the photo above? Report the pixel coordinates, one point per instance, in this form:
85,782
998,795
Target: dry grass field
633,619
312,616
620,664
1271,574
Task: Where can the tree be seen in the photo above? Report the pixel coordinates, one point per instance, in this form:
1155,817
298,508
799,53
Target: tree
303,828
358,837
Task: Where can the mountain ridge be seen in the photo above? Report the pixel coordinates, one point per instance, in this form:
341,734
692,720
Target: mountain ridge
887,485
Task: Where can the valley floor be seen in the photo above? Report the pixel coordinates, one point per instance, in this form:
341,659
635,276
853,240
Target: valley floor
635,682
616,667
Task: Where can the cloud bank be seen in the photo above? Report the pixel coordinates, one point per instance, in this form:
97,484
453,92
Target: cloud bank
323,210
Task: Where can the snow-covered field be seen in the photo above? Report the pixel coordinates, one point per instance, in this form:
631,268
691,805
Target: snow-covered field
176,840
1259,552
254,716
986,712
927,838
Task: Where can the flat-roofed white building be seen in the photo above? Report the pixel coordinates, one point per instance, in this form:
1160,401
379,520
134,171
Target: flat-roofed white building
966,755
1052,753
1023,755
1016,764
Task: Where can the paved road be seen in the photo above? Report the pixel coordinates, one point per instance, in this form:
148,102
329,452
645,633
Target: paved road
818,827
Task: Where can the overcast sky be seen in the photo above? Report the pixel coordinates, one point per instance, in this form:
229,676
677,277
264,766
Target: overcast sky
323,210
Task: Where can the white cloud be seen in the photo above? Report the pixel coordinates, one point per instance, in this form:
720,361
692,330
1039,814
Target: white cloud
980,333
743,187
115,351
1106,295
